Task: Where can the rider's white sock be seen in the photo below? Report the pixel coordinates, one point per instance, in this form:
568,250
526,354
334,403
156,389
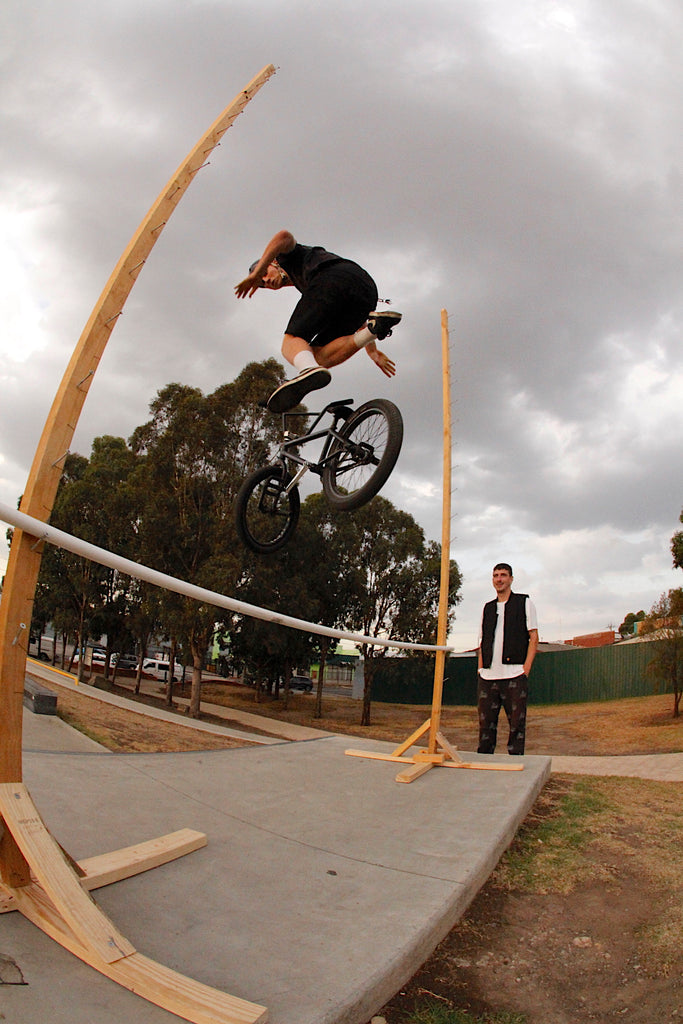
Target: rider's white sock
305,360
363,336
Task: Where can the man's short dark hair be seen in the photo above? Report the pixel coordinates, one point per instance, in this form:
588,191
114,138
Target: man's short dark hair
503,565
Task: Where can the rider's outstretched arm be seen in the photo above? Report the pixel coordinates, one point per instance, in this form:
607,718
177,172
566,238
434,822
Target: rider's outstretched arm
386,365
283,241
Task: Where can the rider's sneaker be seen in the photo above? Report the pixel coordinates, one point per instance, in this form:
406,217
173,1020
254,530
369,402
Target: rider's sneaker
380,324
293,391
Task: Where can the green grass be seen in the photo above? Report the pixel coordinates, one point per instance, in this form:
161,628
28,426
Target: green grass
548,853
431,1011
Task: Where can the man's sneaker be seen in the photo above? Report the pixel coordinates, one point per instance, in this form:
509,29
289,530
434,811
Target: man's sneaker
293,391
381,323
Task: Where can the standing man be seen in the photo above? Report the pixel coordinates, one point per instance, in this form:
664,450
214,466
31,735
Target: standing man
334,318
507,648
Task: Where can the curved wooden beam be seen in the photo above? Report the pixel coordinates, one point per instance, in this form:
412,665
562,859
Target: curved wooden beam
41,488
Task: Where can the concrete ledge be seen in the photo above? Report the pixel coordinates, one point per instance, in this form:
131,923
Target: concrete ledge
38,698
323,887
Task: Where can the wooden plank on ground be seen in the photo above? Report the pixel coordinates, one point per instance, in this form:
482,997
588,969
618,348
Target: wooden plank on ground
133,860
414,771
56,876
491,766
176,993
376,755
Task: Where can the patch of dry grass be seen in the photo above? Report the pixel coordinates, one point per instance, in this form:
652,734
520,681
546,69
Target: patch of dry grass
123,731
637,725
586,829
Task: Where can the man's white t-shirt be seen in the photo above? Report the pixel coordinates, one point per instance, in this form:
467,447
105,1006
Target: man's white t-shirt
497,669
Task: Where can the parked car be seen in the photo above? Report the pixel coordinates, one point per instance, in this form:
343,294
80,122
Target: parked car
40,643
159,669
126,661
98,656
304,683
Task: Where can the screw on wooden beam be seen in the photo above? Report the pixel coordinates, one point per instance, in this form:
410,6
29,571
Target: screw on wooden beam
22,626
88,375
201,168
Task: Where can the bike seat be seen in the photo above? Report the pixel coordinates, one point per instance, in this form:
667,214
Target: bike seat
341,404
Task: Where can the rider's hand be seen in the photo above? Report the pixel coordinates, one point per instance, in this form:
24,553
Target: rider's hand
250,285
386,365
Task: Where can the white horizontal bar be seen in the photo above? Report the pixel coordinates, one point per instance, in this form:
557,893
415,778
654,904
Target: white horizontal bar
43,531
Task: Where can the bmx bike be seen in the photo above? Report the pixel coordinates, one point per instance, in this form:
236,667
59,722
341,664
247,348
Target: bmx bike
360,448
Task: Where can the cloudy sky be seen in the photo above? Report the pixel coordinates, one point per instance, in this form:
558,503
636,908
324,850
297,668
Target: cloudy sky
519,165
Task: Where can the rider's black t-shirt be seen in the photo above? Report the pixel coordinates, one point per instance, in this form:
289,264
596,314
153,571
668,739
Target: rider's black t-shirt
304,261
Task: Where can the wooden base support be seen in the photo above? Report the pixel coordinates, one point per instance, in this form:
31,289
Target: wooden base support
445,755
489,766
96,872
58,902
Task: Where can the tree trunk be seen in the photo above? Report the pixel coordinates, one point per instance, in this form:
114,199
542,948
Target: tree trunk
142,640
368,673
171,672
196,689
324,648
288,679
81,652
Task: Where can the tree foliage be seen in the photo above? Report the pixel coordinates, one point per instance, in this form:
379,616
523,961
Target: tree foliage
92,503
165,499
664,624
387,579
628,626
195,451
677,546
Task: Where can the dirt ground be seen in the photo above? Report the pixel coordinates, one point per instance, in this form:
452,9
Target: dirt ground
581,922
124,731
589,933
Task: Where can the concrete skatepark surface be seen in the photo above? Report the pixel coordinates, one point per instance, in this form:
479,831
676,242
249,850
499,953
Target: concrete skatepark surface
324,885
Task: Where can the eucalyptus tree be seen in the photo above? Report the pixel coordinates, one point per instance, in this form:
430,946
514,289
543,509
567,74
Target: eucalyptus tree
398,598
279,582
333,574
664,626
195,451
677,547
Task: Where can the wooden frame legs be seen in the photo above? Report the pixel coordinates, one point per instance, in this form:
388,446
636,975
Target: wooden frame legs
444,755
57,901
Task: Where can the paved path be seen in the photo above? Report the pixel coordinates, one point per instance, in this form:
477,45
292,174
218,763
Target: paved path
324,884
257,728
661,767
323,887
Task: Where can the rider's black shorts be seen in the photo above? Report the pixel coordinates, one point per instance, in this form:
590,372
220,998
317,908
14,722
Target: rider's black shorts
336,303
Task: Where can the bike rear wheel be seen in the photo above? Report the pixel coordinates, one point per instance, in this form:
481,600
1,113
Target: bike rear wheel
360,463
265,514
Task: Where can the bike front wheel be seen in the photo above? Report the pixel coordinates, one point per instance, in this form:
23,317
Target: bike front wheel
360,461
266,514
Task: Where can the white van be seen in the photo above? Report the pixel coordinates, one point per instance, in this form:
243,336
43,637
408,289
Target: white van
159,669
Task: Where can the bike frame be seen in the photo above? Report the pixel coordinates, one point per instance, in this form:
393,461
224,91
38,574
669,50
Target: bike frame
341,411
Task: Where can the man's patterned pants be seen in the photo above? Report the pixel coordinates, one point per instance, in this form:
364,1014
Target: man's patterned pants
511,694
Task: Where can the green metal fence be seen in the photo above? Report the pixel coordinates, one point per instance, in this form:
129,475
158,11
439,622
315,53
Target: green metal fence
558,677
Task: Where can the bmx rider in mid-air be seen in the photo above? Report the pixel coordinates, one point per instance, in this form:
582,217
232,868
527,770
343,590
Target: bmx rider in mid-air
334,318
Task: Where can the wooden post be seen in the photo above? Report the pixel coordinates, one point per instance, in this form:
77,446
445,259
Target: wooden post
56,902
439,752
39,495
442,626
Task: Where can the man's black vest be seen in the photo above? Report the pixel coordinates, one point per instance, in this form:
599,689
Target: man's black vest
515,636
